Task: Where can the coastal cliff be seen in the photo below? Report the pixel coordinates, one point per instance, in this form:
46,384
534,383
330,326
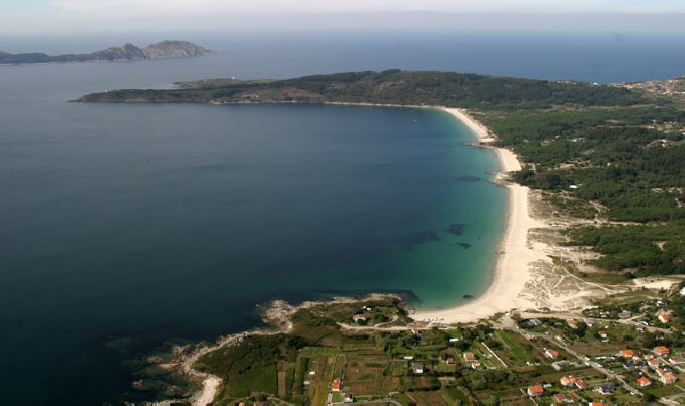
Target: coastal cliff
127,52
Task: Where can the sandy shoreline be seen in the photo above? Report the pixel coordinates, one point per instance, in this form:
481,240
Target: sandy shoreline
514,254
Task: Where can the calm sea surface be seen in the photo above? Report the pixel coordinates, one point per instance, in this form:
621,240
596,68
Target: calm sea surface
123,226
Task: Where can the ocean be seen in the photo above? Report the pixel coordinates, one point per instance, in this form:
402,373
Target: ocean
125,227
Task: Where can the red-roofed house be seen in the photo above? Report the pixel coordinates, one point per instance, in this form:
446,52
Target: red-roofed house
626,353
644,381
337,385
552,354
580,384
560,398
536,390
669,378
661,351
567,381
603,334
664,317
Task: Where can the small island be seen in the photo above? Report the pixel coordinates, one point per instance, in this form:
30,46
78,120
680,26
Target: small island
127,52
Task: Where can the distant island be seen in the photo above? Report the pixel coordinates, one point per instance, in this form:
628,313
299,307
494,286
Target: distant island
127,52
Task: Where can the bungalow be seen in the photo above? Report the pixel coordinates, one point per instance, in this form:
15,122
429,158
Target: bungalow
337,385
644,381
669,378
580,384
572,323
629,365
567,380
603,334
625,354
475,365
552,354
662,351
663,303
358,317
664,317
534,322
348,398
535,391
625,314
449,361
606,389
556,366
417,368
661,372
468,356
559,398
589,322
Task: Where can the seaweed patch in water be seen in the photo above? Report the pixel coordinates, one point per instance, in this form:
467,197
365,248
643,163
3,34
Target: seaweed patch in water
464,245
410,240
467,178
456,228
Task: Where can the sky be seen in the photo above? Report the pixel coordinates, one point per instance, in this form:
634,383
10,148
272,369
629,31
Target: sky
34,16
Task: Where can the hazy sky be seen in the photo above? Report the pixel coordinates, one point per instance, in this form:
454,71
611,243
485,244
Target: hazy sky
27,16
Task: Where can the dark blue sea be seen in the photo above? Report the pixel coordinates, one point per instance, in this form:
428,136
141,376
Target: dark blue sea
124,227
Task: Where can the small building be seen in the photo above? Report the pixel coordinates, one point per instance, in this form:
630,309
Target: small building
654,364
644,381
348,398
534,322
626,354
662,351
449,361
417,368
556,366
337,385
606,389
580,384
550,353
475,365
560,398
534,391
358,318
629,365
408,357
567,380
469,356
588,322
669,377
625,314
454,340
572,323
664,317
603,334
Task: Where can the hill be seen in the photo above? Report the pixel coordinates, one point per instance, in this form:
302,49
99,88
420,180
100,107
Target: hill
127,52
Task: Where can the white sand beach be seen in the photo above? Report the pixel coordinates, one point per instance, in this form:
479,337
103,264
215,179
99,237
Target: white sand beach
515,254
